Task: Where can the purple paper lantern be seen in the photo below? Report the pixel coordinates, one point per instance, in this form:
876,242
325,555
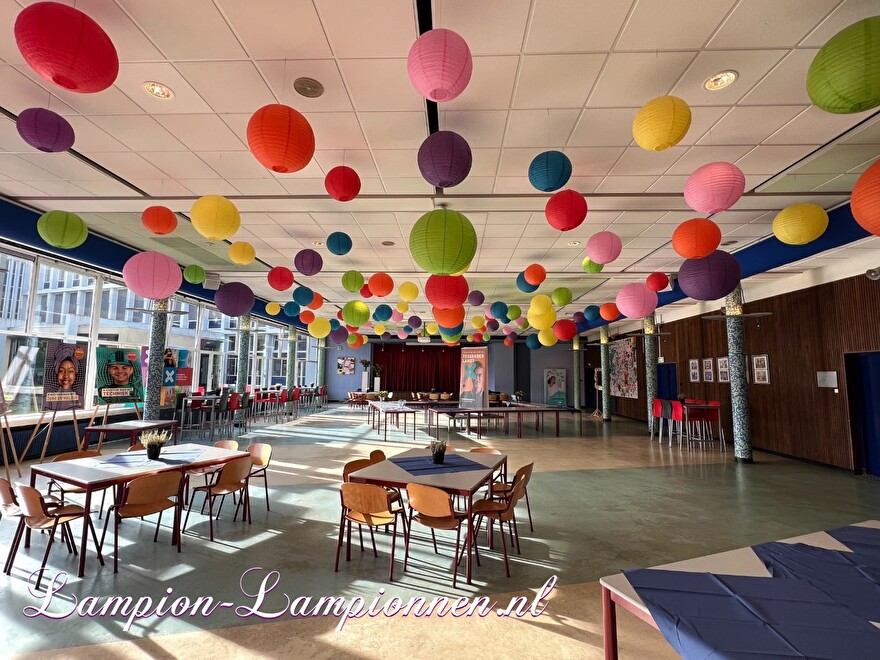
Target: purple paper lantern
492,325
308,262
414,322
45,130
339,336
578,317
386,335
709,278
445,159
234,299
475,298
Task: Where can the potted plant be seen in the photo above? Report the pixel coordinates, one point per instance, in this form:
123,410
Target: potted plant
153,441
520,396
438,451
365,375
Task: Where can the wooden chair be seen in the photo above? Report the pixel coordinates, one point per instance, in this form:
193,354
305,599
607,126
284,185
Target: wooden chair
433,508
366,504
9,509
208,472
145,496
502,490
232,478
377,456
63,490
261,452
503,512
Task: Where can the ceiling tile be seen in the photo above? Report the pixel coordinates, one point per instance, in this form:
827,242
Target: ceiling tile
626,77
394,130
21,91
380,85
761,24
211,81
545,81
340,130
694,23
267,39
750,124
257,186
815,126
771,159
132,77
281,75
234,164
202,132
139,133
626,184
382,28
593,161
540,128
489,27
481,128
636,160
752,65
575,25
784,85
491,85
699,156
604,128
397,162
360,160
846,13
178,165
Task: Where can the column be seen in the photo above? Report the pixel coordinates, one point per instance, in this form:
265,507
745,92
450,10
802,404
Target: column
291,357
244,353
577,370
156,359
322,363
649,324
739,389
606,374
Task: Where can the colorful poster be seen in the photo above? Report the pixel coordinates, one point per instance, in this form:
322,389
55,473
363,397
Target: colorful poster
64,378
118,378
472,392
176,372
554,388
624,369
345,366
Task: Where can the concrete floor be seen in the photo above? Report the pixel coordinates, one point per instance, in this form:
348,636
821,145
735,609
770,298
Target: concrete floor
603,502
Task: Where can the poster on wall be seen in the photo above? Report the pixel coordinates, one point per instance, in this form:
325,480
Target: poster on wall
177,371
708,370
761,365
472,392
624,369
64,378
118,377
694,368
723,370
345,366
554,388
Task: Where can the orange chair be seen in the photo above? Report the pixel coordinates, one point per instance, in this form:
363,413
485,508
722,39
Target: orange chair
262,454
232,478
503,490
432,507
503,512
366,504
63,490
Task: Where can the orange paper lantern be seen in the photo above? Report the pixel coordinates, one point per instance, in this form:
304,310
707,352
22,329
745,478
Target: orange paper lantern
865,201
696,238
159,219
381,284
535,274
280,138
609,312
449,318
306,316
317,301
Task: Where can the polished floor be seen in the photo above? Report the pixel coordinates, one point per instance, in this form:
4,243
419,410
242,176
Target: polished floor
603,502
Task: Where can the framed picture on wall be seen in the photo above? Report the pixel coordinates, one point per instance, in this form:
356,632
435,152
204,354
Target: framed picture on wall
723,370
694,368
761,365
708,370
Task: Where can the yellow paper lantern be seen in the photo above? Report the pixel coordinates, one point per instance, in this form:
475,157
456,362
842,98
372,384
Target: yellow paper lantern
478,321
379,328
661,123
319,328
541,303
215,217
432,328
800,224
272,308
402,307
547,337
408,291
241,253
541,320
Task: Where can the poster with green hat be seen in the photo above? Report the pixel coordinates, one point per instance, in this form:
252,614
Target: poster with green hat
118,378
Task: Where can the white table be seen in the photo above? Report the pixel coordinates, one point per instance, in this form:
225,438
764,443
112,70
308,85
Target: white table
384,409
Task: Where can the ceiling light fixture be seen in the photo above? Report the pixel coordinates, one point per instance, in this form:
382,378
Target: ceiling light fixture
318,243
721,80
388,243
728,243
573,243
159,90
308,87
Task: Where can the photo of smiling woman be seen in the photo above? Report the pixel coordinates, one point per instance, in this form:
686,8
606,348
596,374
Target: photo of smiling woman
64,376
119,376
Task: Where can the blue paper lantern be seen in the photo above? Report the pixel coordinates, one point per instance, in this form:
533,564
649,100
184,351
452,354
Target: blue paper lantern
498,309
334,324
582,326
292,309
407,329
591,313
339,243
533,342
550,171
524,286
452,331
382,313
303,295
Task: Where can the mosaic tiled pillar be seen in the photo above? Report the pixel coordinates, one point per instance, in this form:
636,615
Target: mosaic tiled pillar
244,352
576,370
606,374
739,387
156,360
291,356
649,324
322,360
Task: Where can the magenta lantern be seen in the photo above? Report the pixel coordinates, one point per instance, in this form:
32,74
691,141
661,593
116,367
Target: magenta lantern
234,299
308,262
714,187
604,247
342,183
45,130
566,210
152,275
439,65
636,301
445,159
709,278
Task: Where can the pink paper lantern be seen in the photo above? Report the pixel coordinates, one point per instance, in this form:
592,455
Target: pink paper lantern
152,275
604,247
396,316
636,300
714,187
439,65
401,334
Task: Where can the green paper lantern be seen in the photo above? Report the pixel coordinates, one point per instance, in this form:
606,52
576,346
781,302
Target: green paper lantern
845,74
561,296
355,313
194,274
514,312
443,242
352,281
591,266
62,229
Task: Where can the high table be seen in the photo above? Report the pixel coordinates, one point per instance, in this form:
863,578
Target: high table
506,411
385,473
379,409
209,399
702,406
99,472
617,591
133,428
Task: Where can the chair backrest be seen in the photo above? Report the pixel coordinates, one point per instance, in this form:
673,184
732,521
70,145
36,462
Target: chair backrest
430,501
484,450
656,408
71,455
297,394
7,497
525,472
30,501
261,452
283,396
433,396
227,444
377,456
323,391
677,411
152,488
364,498
234,401
516,494
354,466
445,397
235,470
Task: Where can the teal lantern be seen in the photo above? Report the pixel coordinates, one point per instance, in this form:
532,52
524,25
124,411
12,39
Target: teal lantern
845,74
561,296
194,274
339,243
62,229
443,242
355,313
550,171
352,281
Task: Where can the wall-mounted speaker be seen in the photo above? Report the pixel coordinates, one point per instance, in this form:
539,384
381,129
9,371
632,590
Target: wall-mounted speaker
212,281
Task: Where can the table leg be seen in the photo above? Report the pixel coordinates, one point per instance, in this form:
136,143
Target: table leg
609,625
519,425
557,423
414,427
85,536
470,517
479,425
386,427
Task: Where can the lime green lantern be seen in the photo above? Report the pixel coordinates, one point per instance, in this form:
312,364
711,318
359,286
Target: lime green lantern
62,229
355,313
561,296
443,242
352,281
194,274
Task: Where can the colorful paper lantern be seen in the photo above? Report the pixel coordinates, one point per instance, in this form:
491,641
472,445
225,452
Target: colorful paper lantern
317,301
657,281
508,342
241,253
541,303
443,242
306,316
194,274
342,183
414,322
408,291
308,262
844,77
365,291
592,313
524,286
533,342
591,266
546,337
561,296
499,309
339,243
152,275
709,278
66,47
476,298
800,224
273,308
609,312
514,312
661,123
45,130
566,210
447,291
402,307
636,301
535,274
696,238
541,319
549,171
159,220
432,328
492,325
280,278
381,284
448,318
280,138
62,229
292,308
478,322
604,247
234,299
382,312
865,201
564,330
303,295
355,313
338,335
356,340
352,281
714,187
445,159
215,217
439,65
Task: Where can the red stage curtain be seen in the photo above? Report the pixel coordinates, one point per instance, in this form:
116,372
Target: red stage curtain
418,369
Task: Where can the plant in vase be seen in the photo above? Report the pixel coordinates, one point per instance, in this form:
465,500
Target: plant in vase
153,441
438,451
519,395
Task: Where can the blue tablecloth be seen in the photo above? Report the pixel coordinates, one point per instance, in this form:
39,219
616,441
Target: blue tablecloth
421,465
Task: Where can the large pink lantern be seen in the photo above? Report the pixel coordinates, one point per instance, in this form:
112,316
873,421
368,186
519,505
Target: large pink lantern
714,187
439,65
396,316
604,247
636,301
152,275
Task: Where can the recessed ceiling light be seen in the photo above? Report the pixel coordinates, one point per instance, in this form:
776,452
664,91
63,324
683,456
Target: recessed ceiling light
387,243
318,243
573,243
726,243
159,90
721,80
308,87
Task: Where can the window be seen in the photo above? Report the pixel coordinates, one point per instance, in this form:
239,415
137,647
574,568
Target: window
63,310
15,279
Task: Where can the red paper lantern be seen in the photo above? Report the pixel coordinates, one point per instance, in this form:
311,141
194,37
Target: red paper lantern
381,284
535,274
66,47
280,278
280,138
359,340
306,316
865,201
565,210
449,318
339,315
696,238
564,330
342,183
365,291
609,312
159,219
657,281
508,342
317,301
446,291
